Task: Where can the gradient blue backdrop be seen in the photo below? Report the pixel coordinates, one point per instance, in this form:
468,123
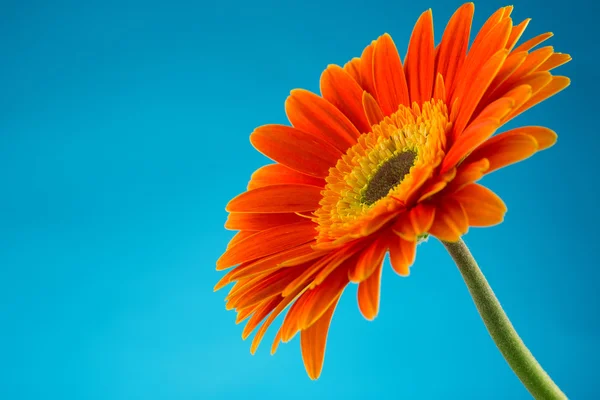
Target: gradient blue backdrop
124,132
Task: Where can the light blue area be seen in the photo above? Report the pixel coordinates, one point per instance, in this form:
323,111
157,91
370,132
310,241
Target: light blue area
123,133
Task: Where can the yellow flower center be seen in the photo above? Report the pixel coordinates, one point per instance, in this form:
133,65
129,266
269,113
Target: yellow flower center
378,175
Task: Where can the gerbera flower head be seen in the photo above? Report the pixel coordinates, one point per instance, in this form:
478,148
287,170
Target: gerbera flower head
388,154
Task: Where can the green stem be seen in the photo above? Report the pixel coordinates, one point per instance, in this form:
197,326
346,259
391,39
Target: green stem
520,359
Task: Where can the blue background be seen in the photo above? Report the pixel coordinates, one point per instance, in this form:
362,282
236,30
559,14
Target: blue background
124,132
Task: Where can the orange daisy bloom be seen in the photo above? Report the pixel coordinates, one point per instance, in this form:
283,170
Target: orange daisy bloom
388,154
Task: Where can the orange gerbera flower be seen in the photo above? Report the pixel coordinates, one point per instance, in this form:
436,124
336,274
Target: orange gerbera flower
388,154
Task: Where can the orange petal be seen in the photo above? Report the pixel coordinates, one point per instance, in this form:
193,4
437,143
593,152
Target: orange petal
277,199
439,92
487,57
313,114
260,222
557,84
307,278
555,60
453,47
513,61
267,287
437,184
482,206
498,109
450,221
420,59
544,137
402,255
388,76
338,87
247,312
368,294
531,43
225,280
268,307
295,149
366,68
477,88
404,228
268,242
472,137
369,260
239,237
315,302
516,33
241,285
276,174
421,218
343,256
507,150
488,27
267,264
521,74
433,188
313,341
514,146
352,68
280,305
371,108
305,258
468,173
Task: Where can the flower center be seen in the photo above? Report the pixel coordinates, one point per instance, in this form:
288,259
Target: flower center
389,174
377,175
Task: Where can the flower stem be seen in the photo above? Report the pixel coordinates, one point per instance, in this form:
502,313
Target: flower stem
520,359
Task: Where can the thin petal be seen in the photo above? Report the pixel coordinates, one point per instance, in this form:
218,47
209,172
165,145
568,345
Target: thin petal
371,109
313,341
266,287
368,294
439,92
402,255
420,59
277,199
295,149
313,114
272,262
477,88
514,146
366,68
507,150
238,237
453,47
482,206
352,68
472,137
269,306
555,60
469,172
516,34
480,55
315,302
368,260
557,84
280,305
388,76
338,87
519,76
531,43
268,242
450,221
421,218
277,174
260,222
